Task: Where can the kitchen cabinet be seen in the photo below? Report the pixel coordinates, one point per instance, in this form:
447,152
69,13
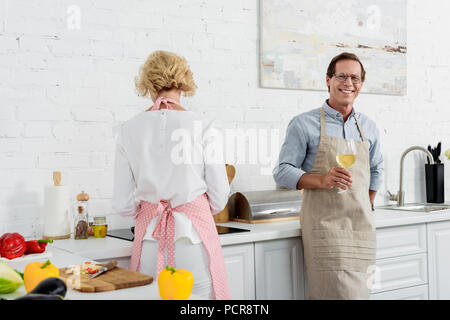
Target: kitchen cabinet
439,259
401,272
265,270
400,241
401,266
279,269
239,263
412,293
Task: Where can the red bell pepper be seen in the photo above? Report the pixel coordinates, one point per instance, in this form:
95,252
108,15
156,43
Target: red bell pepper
37,246
12,245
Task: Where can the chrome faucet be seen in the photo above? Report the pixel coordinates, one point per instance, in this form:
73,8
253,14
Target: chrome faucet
400,196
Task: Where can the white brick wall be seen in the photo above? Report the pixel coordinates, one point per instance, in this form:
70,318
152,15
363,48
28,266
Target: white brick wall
61,91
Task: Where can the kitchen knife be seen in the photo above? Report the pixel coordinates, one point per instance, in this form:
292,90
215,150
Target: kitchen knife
109,266
438,152
429,149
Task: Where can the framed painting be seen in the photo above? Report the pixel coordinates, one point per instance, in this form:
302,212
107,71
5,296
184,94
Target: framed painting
300,37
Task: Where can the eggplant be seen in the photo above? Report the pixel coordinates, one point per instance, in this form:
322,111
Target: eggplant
39,296
50,286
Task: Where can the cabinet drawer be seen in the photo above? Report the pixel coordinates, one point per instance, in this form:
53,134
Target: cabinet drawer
413,293
279,270
400,272
239,264
439,260
400,241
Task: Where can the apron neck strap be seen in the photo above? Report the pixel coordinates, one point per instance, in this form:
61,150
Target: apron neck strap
360,129
322,122
322,125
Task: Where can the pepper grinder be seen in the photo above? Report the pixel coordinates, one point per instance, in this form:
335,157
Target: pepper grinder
81,217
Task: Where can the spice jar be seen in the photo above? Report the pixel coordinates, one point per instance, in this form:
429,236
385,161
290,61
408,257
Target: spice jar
100,227
81,217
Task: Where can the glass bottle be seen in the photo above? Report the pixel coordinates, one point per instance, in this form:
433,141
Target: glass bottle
100,227
81,217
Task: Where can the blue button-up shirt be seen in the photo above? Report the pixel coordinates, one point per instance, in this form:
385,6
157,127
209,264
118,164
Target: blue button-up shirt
299,149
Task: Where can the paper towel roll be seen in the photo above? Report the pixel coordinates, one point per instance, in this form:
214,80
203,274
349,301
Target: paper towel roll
56,212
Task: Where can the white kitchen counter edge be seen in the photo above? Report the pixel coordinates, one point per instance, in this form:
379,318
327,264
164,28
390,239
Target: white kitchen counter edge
391,218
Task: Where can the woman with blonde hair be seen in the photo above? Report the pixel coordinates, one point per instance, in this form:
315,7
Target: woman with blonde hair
171,197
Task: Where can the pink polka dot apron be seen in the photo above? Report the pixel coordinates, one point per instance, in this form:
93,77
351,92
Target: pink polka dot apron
199,212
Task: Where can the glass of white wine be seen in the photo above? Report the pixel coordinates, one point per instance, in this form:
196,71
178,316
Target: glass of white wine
346,157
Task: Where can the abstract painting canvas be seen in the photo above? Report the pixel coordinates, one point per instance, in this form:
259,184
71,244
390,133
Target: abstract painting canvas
300,37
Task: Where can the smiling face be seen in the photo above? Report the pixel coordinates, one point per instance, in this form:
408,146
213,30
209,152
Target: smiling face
342,94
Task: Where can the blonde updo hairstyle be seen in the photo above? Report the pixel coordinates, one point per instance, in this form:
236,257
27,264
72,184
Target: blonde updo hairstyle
164,71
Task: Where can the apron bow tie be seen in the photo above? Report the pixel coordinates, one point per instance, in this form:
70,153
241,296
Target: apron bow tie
165,232
164,101
199,212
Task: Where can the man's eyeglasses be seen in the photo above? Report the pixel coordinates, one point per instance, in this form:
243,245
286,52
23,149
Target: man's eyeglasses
343,77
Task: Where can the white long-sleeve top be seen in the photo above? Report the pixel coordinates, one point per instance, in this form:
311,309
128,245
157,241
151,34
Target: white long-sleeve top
168,155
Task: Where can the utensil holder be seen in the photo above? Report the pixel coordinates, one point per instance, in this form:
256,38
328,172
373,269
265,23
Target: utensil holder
434,177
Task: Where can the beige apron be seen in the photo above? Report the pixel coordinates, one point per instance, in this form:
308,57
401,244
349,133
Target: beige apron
338,232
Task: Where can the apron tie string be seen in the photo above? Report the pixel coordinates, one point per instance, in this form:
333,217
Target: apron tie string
165,232
164,101
199,212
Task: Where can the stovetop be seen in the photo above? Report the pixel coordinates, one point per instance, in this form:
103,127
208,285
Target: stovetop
124,234
226,230
128,234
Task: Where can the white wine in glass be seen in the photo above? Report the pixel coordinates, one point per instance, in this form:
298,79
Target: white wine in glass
346,160
346,157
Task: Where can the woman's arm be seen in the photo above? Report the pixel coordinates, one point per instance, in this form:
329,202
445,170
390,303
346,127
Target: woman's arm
124,187
218,187
214,168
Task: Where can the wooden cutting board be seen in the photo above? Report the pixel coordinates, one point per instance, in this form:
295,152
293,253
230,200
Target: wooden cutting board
117,278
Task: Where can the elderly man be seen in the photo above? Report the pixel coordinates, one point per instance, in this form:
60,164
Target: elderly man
338,232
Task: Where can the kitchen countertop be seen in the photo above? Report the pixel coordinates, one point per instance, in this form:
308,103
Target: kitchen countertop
276,230
111,247
391,218
62,258
96,248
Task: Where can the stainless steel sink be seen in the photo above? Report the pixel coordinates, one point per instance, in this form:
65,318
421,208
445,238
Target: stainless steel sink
417,207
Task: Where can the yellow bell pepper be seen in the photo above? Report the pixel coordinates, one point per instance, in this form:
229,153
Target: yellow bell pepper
35,272
175,284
